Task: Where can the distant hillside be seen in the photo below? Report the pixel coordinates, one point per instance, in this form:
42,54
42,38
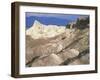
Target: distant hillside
80,23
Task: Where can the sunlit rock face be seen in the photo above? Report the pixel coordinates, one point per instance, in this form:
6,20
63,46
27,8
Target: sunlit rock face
52,45
39,30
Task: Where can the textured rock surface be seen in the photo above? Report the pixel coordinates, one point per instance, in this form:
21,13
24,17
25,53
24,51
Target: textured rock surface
39,30
66,54
51,60
70,47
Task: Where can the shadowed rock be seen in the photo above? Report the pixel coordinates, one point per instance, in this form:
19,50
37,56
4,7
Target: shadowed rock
75,62
52,46
63,49
56,59
51,60
66,54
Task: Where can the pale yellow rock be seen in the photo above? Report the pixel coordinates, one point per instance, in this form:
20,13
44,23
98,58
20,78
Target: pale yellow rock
74,52
39,30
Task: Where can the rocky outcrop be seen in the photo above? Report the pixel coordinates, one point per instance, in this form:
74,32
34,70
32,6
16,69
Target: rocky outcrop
50,60
39,30
68,48
50,46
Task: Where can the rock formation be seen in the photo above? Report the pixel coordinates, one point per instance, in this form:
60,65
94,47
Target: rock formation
39,30
63,47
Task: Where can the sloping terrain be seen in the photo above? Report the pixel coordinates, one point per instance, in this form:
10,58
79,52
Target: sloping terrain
70,47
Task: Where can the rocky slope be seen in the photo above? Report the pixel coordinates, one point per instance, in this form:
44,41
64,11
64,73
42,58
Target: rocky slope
52,46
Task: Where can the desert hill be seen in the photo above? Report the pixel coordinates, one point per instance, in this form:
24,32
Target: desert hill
52,45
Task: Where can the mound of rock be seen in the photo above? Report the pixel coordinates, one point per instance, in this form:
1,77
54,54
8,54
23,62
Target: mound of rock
68,47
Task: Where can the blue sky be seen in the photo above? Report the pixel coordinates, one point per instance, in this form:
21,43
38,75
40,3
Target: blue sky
50,18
